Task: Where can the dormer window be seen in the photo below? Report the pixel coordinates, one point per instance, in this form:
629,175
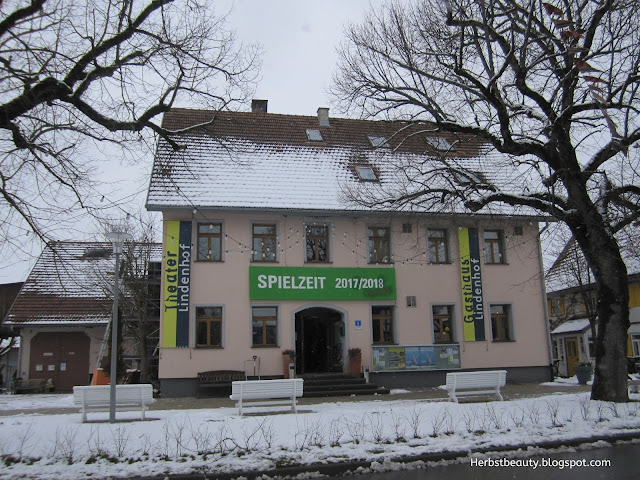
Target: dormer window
314,135
439,143
378,141
366,174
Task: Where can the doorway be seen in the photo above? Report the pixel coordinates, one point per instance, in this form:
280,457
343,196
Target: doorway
319,341
573,357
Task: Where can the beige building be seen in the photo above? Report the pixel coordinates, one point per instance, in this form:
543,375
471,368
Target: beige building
266,250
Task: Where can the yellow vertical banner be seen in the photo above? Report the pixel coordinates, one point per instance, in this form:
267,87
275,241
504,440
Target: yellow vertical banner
170,297
469,329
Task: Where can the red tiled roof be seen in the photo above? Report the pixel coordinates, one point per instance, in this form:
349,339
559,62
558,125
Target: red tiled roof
70,283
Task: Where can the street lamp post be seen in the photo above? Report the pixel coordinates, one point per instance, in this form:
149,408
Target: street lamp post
118,239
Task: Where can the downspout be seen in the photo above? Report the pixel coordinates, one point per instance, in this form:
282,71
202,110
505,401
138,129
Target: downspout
544,305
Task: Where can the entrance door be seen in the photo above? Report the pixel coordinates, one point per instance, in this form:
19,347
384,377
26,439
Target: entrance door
62,357
573,357
319,341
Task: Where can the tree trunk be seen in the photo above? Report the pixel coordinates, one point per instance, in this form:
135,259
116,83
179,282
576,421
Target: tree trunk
602,253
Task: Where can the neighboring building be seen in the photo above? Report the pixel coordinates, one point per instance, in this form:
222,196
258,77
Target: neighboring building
9,344
571,303
264,252
63,311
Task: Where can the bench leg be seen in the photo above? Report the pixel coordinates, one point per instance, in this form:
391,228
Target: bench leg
239,405
84,415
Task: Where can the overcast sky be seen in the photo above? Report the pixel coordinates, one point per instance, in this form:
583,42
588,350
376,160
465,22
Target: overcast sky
299,40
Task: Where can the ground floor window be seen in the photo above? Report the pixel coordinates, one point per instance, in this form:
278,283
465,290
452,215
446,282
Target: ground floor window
209,326
442,323
264,326
635,344
501,323
382,323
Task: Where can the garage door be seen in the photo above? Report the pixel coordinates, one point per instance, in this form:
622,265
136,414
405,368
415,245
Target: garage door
62,357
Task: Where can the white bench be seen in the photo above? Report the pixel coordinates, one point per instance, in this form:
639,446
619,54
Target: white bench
250,393
475,383
97,398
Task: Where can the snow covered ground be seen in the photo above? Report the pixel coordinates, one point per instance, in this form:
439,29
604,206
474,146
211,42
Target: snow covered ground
38,446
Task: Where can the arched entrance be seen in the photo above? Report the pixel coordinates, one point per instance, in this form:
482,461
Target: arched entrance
319,340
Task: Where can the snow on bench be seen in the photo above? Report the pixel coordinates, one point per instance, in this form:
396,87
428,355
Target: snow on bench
250,393
96,398
475,383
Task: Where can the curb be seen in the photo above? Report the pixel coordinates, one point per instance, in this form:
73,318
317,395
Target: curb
334,469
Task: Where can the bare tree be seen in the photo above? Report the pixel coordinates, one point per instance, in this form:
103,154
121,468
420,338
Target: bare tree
552,88
77,71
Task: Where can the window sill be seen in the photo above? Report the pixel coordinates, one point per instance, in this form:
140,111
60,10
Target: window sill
503,341
209,347
209,261
265,346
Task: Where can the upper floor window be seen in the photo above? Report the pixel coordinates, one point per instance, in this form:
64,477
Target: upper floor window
209,326
493,246
264,242
501,323
437,245
442,323
317,243
379,245
382,324
210,242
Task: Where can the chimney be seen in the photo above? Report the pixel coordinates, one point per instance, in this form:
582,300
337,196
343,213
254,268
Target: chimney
323,116
259,106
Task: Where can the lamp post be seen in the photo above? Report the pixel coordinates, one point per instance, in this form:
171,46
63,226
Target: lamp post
118,239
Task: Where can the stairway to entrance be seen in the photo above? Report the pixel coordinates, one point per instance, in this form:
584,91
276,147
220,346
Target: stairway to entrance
337,385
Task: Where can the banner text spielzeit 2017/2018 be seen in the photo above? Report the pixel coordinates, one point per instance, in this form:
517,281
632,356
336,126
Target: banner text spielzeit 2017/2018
313,283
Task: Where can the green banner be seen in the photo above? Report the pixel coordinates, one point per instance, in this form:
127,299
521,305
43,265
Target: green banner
321,283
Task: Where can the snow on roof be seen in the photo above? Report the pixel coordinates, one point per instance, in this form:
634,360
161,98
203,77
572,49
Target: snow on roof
245,160
570,268
70,283
572,326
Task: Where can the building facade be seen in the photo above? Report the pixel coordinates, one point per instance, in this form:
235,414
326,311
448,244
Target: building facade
264,253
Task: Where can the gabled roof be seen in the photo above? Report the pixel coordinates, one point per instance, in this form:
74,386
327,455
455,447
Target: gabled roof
248,160
572,326
570,268
70,283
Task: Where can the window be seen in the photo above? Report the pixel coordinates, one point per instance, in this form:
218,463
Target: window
437,245
557,306
314,135
208,326
379,245
210,242
501,328
378,141
382,322
264,243
442,323
493,247
635,344
439,143
407,228
264,326
317,241
366,174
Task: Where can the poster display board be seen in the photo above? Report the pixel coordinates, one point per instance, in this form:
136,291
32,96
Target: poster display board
416,357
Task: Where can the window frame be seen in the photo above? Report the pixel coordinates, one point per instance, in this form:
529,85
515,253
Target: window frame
444,242
276,318
315,249
220,236
504,317
262,252
209,320
373,243
381,327
451,315
488,247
